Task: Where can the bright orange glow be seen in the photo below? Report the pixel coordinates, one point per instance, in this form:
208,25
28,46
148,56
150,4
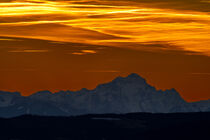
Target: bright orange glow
95,26
130,23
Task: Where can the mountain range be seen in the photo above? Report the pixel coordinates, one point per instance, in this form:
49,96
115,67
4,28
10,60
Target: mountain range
121,95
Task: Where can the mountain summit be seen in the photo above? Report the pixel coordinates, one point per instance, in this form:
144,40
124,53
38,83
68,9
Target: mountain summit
121,95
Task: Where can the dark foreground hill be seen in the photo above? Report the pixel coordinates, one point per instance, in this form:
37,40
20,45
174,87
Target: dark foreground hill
135,126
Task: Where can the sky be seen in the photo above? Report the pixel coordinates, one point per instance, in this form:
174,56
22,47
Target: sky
72,44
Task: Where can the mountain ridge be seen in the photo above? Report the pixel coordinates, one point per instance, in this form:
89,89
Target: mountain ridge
121,95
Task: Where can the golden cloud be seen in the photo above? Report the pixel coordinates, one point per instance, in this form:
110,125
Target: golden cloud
109,22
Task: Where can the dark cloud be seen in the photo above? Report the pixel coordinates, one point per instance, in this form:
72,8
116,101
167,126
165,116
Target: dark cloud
6,1
56,32
40,17
197,5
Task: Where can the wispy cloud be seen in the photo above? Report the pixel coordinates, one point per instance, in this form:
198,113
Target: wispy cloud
84,52
204,74
6,39
184,25
88,51
18,70
103,71
28,51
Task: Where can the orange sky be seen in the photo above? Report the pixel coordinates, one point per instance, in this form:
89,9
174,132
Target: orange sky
68,45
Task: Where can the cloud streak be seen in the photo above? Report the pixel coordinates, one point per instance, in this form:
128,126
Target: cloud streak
183,26
29,51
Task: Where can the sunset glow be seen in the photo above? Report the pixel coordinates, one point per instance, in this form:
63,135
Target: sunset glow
103,24
114,23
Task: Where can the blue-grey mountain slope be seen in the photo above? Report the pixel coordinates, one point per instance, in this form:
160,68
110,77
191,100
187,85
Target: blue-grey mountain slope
122,95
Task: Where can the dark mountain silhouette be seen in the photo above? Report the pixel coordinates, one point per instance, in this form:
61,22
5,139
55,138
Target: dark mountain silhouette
133,126
122,95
